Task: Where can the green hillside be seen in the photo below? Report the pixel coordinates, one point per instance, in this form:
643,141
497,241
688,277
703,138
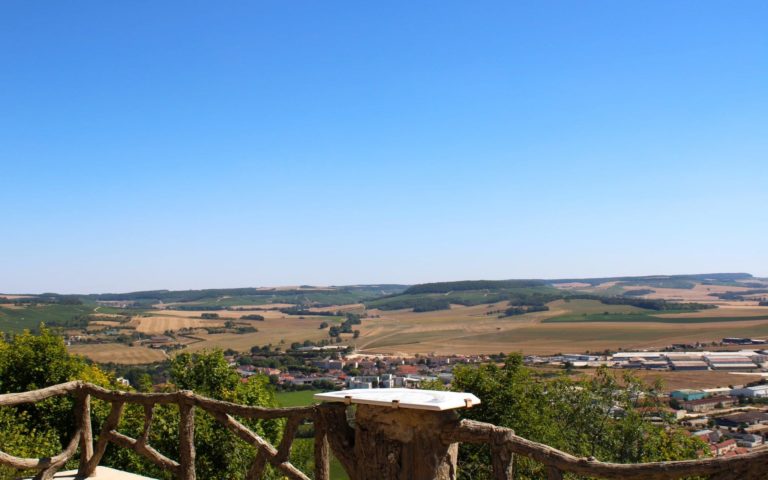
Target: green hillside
16,319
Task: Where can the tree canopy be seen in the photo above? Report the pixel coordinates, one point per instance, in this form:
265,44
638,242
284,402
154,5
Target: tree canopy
29,362
603,416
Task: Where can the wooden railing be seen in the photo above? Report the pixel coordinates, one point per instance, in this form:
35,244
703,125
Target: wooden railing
331,429
184,468
505,444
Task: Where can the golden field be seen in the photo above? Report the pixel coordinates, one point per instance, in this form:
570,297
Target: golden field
118,353
468,330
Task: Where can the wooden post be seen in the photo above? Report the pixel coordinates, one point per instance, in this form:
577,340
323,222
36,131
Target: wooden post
101,446
502,457
554,473
394,443
322,451
186,437
84,424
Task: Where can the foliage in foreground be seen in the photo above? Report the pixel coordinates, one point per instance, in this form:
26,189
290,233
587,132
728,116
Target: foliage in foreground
605,417
28,362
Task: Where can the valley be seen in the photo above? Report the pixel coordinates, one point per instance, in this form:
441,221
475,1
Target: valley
467,317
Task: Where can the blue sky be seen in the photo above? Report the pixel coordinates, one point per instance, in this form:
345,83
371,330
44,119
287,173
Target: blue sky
180,145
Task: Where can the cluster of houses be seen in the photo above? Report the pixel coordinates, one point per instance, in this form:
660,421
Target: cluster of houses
363,371
729,420
735,433
714,416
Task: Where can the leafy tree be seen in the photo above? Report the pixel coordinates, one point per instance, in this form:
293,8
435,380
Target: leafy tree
602,416
220,455
19,437
29,362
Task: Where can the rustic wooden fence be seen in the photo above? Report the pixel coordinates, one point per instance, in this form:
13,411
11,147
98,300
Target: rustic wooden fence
505,444
186,401
331,430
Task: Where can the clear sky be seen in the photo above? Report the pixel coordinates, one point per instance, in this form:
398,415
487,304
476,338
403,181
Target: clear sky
212,144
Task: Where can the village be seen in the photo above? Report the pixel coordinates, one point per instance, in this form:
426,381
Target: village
731,419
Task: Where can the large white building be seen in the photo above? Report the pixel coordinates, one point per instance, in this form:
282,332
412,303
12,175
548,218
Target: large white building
758,391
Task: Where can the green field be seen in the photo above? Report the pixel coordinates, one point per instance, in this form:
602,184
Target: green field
298,398
644,318
13,320
581,306
465,297
594,311
302,398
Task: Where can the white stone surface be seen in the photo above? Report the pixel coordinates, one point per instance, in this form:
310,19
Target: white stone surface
102,473
402,398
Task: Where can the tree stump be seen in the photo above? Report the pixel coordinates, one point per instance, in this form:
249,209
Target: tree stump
403,444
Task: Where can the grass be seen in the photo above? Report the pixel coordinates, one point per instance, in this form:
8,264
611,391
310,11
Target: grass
14,320
581,306
337,471
644,318
461,297
301,398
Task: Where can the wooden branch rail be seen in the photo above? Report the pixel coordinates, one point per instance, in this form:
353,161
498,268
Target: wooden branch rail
332,433
504,443
187,402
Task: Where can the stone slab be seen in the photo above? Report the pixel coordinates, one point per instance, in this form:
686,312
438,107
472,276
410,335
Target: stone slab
402,398
102,473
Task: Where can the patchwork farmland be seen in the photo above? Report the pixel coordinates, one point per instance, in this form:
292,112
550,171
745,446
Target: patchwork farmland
529,316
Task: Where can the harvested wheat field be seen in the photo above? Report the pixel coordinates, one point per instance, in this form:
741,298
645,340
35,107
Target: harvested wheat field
118,353
676,380
159,324
276,327
224,314
275,332
699,293
469,330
